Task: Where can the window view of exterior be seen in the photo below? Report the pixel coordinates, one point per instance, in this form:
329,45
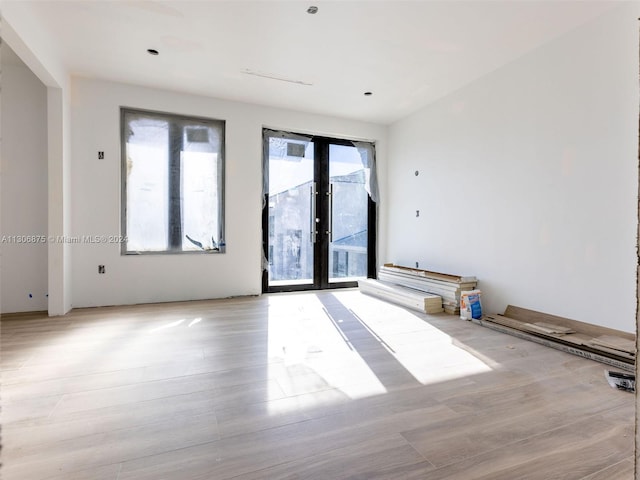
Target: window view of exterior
292,216
290,212
173,183
348,250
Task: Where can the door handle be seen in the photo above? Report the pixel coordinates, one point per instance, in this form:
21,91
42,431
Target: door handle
330,195
314,220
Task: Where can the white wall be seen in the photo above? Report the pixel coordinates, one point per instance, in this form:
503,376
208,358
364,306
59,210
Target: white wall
95,124
528,178
22,31
23,186
59,226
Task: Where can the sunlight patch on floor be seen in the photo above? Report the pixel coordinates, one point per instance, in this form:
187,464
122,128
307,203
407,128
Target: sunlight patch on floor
429,354
168,325
194,321
316,356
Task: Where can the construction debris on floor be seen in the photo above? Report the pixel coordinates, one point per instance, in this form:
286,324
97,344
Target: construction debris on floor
621,381
422,290
605,345
420,301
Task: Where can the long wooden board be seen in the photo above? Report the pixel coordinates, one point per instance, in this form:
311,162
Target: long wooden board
588,340
575,350
615,343
428,274
580,340
420,301
442,283
532,328
418,285
531,316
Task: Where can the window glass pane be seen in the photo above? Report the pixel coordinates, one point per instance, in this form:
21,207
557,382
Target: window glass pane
201,188
348,250
199,203
147,183
174,183
290,212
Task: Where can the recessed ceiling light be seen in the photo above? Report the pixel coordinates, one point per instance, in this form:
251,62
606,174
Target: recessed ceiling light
152,51
312,10
368,94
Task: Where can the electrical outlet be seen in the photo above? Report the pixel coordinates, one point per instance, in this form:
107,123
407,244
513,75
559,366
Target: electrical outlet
100,155
101,269
417,265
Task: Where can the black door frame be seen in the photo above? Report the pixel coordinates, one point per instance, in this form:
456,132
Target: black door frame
321,247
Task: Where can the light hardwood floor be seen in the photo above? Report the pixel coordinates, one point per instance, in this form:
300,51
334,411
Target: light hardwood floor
331,385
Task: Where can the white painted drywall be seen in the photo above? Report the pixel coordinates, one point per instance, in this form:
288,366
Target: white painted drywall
22,30
528,178
23,163
95,124
59,226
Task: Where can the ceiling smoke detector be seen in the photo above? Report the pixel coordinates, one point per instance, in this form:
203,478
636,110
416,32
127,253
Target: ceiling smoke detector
312,10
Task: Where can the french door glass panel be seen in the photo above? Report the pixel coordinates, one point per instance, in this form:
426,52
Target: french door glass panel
348,215
316,221
291,218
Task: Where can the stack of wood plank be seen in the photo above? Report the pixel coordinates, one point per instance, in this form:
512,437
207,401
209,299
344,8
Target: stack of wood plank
407,297
604,345
442,284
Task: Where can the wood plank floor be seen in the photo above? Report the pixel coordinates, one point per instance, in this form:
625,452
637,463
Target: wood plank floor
331,385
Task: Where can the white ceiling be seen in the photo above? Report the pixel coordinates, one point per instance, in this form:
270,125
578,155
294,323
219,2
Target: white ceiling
408,53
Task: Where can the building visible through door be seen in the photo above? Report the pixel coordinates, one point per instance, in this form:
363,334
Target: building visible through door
319,218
